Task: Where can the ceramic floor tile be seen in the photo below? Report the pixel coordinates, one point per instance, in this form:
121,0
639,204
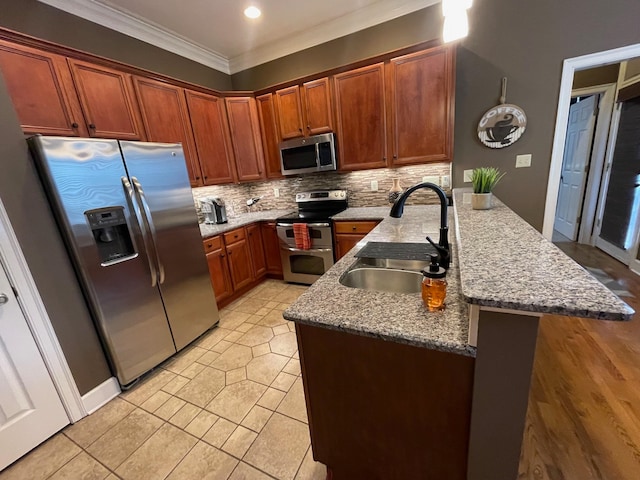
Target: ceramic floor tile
176,384
158,455
183,359
43,461
269,293
234,357
82,467
294,404
237,375
293,367
260,350
170,408
203,388
221,346
310,469
265,369
148,386
239,442
256,336
255,319
250,305
87,430
234,319
194,369
235,401
233,336
201,424
247,472
211,338
280,329
296,355
204,462
292,326
271,398
272,304
288,296
273,319
284,381
280,447
244,327
112,448
185,415
219,432
257,418
155,401
208,358
285,344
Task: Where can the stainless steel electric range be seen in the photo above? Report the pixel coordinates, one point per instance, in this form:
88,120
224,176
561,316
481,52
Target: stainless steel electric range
315,210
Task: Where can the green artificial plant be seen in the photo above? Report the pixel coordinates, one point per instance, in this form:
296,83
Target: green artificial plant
485,178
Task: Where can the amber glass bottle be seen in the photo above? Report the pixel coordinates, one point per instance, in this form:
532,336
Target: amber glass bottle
434,286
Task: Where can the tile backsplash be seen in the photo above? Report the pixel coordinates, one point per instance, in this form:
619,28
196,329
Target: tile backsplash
358,185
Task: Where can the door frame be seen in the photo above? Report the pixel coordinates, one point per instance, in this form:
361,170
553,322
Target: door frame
38,320
570,65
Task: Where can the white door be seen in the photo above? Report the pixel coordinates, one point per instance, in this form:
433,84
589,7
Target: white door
30,408
575,164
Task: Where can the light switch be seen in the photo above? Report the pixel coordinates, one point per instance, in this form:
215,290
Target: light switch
445,181
276,192
374,185
467,175
523,160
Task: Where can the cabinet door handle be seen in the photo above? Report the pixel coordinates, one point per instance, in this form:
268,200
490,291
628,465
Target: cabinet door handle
92,126
222,255
384,159
74,125
308,127
300,129
197,178
395,156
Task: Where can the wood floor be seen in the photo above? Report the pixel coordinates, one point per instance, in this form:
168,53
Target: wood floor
583,420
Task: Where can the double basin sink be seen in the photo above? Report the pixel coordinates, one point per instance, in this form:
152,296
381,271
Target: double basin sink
385,274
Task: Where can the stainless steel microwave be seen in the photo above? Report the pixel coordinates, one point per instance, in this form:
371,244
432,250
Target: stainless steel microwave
311,154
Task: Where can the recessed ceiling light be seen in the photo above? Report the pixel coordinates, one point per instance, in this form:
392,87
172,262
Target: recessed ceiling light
252,12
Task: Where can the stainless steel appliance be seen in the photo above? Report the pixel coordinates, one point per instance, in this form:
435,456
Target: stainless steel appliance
127,215
311,154
214,210
315,209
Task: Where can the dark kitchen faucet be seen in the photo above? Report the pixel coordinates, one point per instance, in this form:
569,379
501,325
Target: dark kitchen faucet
443,243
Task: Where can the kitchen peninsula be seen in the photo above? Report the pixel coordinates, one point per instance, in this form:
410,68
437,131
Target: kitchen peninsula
393,391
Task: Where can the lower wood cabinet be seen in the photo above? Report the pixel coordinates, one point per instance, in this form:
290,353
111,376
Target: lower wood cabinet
347,234
258,260
218,268
239,258
271,248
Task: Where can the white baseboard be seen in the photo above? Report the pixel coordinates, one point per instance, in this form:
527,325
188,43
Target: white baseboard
96,398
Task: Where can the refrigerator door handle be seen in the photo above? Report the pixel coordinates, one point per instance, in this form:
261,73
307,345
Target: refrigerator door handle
149,221
138,214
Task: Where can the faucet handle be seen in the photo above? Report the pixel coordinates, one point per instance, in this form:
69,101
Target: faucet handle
443,254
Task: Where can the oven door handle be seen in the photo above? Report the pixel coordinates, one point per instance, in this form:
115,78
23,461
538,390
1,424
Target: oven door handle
309,250
308,224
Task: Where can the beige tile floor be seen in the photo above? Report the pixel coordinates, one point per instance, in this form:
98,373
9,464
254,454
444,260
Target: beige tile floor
230,406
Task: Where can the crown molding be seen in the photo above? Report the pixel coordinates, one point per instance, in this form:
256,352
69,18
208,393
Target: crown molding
125,22
378,13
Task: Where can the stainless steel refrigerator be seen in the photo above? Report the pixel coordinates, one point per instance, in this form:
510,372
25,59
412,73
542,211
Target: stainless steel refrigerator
130,225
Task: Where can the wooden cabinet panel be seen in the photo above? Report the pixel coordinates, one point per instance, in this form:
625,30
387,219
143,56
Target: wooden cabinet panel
212,137
166,119
271,248
347,234
218,268
270,135
234,235
355,227
421,89
42,92
317,106
240,267
344,243
360,111
258,259
245,137
107,100
290,120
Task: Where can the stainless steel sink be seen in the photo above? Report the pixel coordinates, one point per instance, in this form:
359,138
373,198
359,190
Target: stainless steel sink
382,279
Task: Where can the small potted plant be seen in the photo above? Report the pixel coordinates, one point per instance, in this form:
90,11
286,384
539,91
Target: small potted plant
483,180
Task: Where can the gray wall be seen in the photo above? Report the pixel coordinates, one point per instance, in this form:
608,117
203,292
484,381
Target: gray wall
32,220
42,21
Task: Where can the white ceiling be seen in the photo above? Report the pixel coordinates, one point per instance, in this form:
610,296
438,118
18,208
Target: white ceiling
217,34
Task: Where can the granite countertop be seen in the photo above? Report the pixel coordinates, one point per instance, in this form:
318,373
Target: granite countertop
506,263
363,213
210,230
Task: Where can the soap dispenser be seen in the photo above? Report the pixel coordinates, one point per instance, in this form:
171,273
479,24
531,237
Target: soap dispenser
434,285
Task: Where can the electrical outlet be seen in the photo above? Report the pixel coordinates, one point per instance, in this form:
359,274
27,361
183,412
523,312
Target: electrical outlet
523,160
467,175
374,185
445,181
432,179
276,192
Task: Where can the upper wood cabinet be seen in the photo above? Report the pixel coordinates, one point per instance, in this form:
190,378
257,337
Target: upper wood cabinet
245,137
212,137
41,88
166,119
420,91
270,135
317,106
306,111
361,119
108,101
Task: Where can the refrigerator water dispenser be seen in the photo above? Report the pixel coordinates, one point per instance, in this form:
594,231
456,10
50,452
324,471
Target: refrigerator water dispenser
111,234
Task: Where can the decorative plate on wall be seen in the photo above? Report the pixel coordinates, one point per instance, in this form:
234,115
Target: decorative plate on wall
502,125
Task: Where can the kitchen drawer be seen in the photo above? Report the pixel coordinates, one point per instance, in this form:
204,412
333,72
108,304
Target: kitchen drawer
234,236
355,227
213,243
